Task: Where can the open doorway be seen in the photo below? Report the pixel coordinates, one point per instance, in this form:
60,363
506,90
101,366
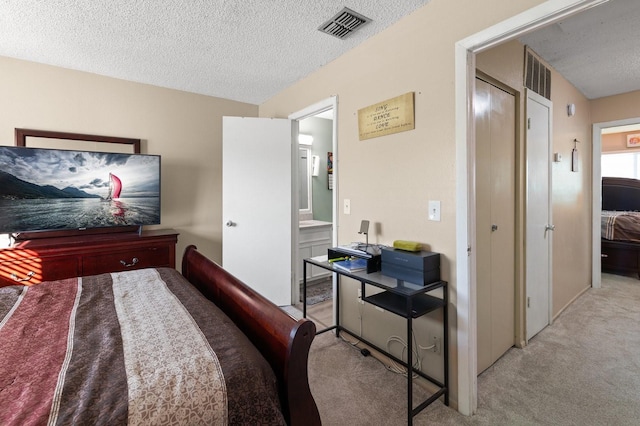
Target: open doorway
465,56
316,189
609,138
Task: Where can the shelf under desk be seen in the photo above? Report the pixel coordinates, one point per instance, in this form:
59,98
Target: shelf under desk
421,304
405,299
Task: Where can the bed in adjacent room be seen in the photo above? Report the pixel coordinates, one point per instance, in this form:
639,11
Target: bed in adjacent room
620,224
152,346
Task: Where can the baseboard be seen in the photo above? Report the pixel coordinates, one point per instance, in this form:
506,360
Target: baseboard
293,311
570,302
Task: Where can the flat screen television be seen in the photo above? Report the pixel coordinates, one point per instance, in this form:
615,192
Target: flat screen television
54,189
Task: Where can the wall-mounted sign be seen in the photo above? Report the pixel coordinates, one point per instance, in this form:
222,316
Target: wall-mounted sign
391,116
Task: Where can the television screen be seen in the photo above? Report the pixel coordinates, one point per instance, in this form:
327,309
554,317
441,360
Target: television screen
52,189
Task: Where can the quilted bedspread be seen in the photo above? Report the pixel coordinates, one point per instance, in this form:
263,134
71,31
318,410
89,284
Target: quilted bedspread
620,225
137,347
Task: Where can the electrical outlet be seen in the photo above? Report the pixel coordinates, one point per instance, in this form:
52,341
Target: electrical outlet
437,348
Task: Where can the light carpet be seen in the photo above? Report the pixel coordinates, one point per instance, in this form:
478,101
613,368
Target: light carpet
584,369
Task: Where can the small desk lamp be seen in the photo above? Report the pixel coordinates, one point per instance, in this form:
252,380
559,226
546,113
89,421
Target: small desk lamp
364,229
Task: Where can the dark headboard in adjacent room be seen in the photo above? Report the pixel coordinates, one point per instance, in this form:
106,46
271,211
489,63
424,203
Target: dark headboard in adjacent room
622,194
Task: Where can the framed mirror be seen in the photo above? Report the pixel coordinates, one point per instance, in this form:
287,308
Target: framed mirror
76,141
304,180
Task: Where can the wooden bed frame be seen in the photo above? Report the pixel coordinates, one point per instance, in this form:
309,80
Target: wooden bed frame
621,194
283,341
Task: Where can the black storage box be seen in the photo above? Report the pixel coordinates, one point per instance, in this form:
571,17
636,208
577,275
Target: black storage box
421,267
373,260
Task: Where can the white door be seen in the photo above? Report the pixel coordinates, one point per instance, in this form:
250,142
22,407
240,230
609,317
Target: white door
539,228
257,204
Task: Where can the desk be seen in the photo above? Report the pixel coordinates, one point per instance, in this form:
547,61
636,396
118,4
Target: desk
401,298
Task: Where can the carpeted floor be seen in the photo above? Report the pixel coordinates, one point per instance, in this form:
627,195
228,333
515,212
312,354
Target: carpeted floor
584,369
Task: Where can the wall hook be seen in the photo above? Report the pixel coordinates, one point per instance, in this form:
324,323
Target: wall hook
574,156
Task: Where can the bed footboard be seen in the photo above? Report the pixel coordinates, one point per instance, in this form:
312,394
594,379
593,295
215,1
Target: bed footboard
620,257
283,341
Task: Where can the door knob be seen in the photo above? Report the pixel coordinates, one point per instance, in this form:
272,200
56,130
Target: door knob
230,223
548,228
494,227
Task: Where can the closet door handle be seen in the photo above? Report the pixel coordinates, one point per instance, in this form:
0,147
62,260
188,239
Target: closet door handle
549,228
494,227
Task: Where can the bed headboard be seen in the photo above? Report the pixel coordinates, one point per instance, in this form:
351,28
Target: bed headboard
622,194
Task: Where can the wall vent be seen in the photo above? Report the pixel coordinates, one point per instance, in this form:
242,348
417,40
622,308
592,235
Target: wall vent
537,76
343,23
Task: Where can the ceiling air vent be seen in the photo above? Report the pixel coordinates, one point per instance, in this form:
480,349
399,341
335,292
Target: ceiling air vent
344,23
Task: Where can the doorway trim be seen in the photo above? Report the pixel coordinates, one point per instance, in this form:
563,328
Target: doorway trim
310,111
465,51
596,273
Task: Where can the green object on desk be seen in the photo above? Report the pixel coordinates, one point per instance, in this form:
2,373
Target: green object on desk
337,259
407,245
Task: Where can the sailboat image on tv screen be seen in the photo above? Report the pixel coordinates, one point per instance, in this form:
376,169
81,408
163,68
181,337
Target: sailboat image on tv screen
115,187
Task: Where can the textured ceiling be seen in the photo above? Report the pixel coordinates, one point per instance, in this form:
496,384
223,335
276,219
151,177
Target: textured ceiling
245,50
597,50
249,50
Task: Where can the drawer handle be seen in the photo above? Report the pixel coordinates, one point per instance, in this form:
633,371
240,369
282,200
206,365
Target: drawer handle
604,255
133,262
27,278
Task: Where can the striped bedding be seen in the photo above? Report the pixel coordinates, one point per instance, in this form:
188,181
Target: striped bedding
138,347
620,225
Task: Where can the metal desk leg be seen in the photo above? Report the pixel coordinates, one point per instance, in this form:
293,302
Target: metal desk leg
409,363
445,341
337,305
304,289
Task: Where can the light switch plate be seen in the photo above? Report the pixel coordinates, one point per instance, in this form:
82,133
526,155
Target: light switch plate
347,206
434,210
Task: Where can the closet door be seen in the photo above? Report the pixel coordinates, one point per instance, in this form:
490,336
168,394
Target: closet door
539,225
495,221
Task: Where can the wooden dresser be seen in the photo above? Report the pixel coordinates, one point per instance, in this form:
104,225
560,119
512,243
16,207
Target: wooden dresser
33,261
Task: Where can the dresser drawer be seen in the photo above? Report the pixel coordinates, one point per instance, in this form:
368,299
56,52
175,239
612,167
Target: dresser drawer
145,257
32,261
35,270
